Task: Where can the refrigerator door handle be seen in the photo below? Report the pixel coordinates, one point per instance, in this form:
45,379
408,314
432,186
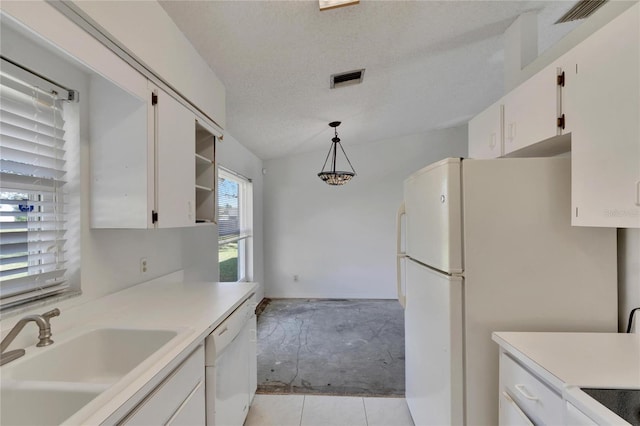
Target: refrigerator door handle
400,254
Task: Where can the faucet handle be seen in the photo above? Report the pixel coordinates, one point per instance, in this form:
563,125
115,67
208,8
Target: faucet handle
52,313
45,333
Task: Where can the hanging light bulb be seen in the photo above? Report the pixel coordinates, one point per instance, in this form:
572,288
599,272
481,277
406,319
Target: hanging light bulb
334,177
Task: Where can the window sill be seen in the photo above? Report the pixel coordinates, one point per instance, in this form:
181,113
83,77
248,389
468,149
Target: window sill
28,306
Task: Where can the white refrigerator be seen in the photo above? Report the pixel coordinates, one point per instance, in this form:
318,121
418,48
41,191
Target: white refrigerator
487,245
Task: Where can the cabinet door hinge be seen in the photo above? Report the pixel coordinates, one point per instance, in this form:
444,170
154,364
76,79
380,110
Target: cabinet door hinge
560,79
154,216
154,99
560,122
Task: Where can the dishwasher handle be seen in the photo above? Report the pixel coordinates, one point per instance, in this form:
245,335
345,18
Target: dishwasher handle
222,336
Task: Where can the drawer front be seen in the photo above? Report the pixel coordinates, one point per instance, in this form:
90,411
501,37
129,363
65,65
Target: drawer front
511,414
192,411
537,400
165,400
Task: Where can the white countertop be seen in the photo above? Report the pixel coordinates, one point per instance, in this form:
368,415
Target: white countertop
581,359
194,309
569,361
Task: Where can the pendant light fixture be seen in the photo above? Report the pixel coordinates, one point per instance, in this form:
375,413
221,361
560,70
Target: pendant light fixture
333,176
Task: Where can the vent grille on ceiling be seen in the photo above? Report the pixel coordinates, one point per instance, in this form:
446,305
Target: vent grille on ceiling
347,78
581,10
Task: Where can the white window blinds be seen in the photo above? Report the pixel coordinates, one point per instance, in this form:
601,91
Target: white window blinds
234,206
32,219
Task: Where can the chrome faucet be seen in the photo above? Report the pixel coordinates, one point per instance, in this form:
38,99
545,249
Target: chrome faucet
44,336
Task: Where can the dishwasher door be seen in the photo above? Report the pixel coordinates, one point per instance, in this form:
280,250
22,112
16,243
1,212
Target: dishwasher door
230,376
228,353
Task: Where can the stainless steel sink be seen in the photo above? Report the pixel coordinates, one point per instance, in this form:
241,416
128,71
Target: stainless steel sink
624,402
98,356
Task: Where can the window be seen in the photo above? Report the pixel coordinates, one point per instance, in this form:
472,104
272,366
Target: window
32,187
235,222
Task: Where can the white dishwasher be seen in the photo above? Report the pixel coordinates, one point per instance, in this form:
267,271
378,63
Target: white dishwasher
230,367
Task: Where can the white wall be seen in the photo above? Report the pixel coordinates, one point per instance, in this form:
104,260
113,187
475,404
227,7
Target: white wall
340,241
232,155
161,47
628,276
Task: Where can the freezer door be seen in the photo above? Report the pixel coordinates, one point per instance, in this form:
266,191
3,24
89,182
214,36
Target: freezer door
432,198
433,346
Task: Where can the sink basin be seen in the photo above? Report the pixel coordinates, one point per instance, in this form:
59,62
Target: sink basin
19,406
98,356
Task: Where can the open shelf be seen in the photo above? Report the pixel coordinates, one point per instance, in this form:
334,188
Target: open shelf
202,160
205,175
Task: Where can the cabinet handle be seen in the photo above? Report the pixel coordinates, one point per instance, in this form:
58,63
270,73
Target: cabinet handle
638,193
492,140
523,392
400,254
224,330
512,132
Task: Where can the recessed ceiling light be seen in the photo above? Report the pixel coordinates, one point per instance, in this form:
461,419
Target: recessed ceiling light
332,4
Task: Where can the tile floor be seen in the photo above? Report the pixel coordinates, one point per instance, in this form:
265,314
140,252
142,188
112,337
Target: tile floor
312,410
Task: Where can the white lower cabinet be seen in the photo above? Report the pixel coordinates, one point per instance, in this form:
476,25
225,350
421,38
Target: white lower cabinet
192,409
511,413
179,399
525,398
575,417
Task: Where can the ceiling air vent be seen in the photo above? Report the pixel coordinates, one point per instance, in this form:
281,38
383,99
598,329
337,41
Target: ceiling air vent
347,78
582,9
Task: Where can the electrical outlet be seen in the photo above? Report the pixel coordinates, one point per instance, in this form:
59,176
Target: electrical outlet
296,278
143,265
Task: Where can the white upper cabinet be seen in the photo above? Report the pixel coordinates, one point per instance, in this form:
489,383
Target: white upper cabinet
145,167
524,123
602,105
142,153
587,101
175,135
531,110
485,133
122,171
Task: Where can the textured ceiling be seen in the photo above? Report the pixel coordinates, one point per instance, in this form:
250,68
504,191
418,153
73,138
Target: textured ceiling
429,65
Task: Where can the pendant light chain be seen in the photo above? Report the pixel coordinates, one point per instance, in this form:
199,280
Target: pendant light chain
345,156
